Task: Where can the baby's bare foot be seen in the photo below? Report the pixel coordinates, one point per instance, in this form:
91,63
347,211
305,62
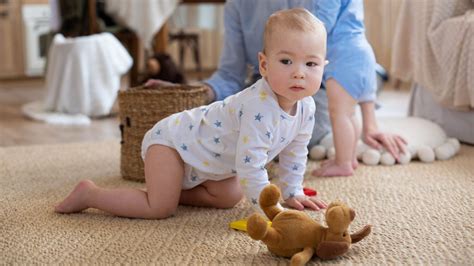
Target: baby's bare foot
75,201
332,169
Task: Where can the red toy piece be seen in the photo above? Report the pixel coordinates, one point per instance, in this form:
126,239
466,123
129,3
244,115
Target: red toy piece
309,191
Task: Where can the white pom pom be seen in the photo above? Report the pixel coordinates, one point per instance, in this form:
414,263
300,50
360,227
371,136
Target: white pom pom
455,143
331,153
360,149
387,159
327,141
444,151
405,158
413,151
426,154
371,157
317,152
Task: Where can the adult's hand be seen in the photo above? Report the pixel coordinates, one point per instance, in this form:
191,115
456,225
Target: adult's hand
159,82
393,143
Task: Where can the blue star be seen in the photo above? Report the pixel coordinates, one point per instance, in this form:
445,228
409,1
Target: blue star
217,155
295,167
282,139
282,117
253,87
194,177
241,113
184,147
262,167
217,140
158,132
203,110
269,135
311,118
233,171
191,127
259,117
292,194
247,159
254,201
218,123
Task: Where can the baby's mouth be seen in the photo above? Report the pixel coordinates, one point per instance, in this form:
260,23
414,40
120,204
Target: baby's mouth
296,88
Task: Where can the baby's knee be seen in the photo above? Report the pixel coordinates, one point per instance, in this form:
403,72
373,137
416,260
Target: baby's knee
160,212
229,197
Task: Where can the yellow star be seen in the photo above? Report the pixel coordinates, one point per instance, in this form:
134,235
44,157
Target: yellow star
231,111
292,154
176,122
243,182
284,184
245,139
263,95
205,163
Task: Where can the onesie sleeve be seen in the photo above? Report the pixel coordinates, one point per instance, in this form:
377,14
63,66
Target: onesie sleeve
293,158
255,138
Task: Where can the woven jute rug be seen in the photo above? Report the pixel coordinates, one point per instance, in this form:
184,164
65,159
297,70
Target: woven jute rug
421,214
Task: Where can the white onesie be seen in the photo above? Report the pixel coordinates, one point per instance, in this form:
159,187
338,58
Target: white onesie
238,137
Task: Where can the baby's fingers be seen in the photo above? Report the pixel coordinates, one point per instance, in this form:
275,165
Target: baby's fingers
321,204
308,203
295,204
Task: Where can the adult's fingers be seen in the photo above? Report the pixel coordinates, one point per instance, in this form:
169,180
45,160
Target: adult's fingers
372,142
401,143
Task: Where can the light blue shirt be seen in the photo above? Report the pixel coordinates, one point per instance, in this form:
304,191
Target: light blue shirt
352,62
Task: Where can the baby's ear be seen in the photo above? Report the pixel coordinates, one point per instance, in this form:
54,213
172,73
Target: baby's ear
262,64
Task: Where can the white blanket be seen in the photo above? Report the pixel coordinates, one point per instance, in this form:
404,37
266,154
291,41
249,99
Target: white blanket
434,46
145,17
82,78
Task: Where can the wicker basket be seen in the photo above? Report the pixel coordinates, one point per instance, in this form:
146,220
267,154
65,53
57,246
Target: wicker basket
140,109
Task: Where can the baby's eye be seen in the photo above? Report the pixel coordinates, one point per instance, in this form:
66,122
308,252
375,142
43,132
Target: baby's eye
311,64
285,61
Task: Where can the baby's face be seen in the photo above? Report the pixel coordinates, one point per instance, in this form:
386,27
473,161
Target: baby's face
293,65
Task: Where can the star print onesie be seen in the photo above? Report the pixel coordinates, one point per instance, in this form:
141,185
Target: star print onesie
238,137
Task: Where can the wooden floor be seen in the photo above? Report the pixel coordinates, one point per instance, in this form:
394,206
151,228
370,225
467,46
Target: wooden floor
16,129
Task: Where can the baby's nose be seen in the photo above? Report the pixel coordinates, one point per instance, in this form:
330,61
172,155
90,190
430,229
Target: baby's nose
298,74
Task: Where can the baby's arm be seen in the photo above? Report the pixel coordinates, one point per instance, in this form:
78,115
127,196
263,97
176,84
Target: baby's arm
292,165
255,139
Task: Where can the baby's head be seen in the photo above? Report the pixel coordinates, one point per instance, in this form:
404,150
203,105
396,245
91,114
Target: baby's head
293,56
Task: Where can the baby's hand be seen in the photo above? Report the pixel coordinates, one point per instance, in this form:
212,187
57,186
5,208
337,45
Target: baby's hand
300,202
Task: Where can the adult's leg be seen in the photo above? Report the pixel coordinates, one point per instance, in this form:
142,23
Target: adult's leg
341,111
322,124
164,172
217,194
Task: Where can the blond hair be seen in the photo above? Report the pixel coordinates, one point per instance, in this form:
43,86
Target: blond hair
298,19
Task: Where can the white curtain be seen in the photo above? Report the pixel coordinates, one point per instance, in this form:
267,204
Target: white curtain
206,20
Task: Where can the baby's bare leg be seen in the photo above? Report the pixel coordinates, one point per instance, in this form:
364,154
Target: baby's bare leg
218,194
164,172
341,113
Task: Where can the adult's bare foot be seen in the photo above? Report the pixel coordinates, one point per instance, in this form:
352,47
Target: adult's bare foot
332,169
76,200
355,163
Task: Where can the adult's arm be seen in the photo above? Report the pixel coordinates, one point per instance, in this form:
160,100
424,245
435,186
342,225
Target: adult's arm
231,73
377,139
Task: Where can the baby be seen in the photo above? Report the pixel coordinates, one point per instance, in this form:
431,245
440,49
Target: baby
211,155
